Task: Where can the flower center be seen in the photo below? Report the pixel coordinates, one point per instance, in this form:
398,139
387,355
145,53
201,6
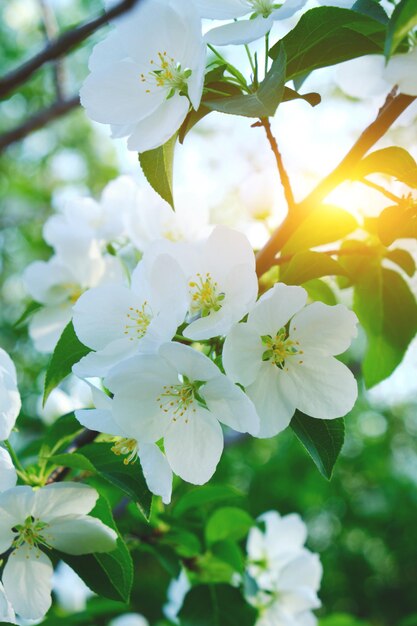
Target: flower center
205,296
263,7
178,400
30,533
126,447
167,73
138,321
279,348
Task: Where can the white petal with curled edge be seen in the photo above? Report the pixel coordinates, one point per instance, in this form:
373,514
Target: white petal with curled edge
160,125
194,447
99,420
188,361
156,470
241,32
288,8
27,580
276,307
222,9
98,364
8,476
401,71
116,94
242,354
106,52
6,609
80,534
67,498
284,534
326,388
303,571
324,330
230,405
274,396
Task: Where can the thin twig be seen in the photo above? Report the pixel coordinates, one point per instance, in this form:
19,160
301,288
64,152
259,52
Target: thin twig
385,192
50,27
39,120
285,181
391,110
58,47
84,438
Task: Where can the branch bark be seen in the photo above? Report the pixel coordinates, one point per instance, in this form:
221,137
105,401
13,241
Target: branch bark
392,109
60,46
285,181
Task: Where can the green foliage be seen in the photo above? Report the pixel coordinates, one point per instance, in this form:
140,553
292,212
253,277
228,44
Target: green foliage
158,167
108,574
264,101
99,458
393,161
308,265
211,605
205,496
68,351
397,222
328,35
323,440
228,523
341,619
403,19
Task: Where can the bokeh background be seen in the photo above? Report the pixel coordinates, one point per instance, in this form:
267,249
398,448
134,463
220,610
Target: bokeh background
363,523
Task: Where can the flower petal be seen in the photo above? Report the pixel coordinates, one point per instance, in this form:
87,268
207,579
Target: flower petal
188,361
194,448
155,129
275,398
80,534
242,354
27,580
58,499
276,307
323,329
8,476
46,326
6,610
242,31
156,470
222,9
326,388
230,405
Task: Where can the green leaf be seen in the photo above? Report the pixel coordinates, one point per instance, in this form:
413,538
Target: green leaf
403,259
228,523
397,222
61,432
31,308
325,36
403,19
323,440
393,161
372,8
264,101
319,290
158,167
387,310
205,496
312,98
68,351
305,266
216,605
99,458
324,225
109,574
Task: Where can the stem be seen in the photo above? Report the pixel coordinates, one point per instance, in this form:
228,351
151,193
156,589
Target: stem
390,111
266,52
285,181
250,61
14,457
385,192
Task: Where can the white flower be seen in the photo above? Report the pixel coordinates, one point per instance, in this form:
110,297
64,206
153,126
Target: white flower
181,396
177,590
71,592
283,356
220,278
118,321
8,476
60,402
57,285
155,467
401,70
143,86
54,516
6,610
286,574
10,402
261,16
129,619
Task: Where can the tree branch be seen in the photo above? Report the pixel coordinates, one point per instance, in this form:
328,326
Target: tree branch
39,120
60,46
385,192
285,181
50,27
392,109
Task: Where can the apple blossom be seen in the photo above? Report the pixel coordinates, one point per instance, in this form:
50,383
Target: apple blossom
220,278
286,574
284,357
71,592
55,516
6,610
261,16
143,86
118,321
180,395
10,402
129,619
177,590
8,476
156,470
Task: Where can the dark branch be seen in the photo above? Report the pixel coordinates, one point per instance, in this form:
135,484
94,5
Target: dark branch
84,438
387,115
58,47
285,181
39,120
50,27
